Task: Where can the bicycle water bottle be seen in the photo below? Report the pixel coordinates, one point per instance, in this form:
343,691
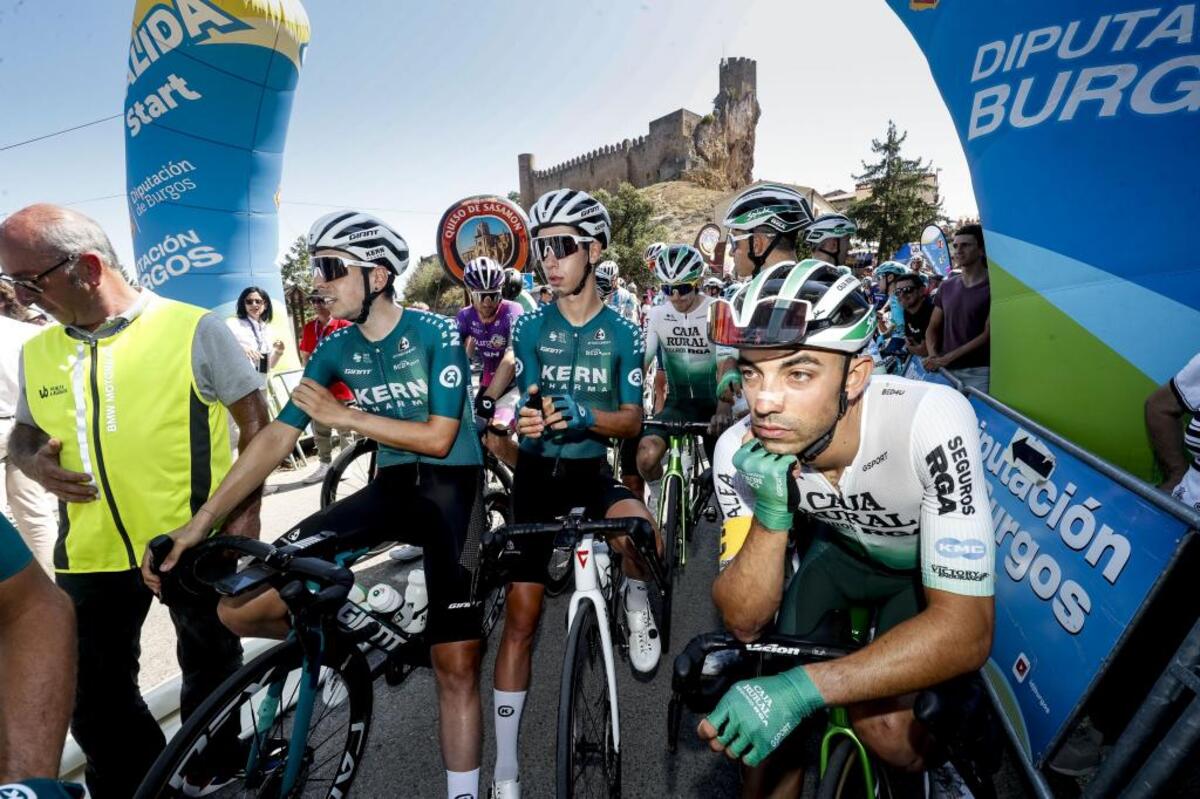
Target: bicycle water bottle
415,610
383,599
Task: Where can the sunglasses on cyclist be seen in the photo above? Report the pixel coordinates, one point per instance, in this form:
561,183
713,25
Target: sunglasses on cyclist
560,247
733,239
682,289
772,323
333,267
906,290
480,296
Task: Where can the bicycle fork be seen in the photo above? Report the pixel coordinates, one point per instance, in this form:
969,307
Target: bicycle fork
588,588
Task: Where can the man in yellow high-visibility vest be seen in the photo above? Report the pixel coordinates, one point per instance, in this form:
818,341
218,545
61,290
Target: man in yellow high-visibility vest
123,415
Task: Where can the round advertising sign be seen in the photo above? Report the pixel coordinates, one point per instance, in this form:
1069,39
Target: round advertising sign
707,240
483,226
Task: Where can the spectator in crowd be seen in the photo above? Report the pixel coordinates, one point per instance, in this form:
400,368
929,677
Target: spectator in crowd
172,373
918,308
958,338
250,329
37,667
1176,449
12,308
33,508
314,332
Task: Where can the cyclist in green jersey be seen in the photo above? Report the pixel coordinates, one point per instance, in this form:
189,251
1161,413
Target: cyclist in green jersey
677,333
584,362
888,473
409,375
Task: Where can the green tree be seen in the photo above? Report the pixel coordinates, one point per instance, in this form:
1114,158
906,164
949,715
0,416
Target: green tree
897,208
295,269
514,197
633,231
431,285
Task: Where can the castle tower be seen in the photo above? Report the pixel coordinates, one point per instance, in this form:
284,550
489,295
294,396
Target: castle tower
525,179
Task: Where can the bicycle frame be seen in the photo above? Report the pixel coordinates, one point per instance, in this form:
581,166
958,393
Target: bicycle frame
839,717
590,587
675,445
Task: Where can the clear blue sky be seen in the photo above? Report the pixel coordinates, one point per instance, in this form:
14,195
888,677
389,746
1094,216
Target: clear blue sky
409,106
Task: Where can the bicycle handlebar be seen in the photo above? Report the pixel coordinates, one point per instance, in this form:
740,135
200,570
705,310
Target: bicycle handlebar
677,428
570,528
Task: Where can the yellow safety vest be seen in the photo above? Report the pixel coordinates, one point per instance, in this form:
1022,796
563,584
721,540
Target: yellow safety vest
128,412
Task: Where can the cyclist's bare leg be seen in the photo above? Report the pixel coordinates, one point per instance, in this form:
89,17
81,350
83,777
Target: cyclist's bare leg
258,614
503,447
889,729
460,714
649,456
631,562
522,611
777,777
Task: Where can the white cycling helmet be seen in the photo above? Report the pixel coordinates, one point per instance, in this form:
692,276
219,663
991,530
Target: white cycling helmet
678,263
652,252
779,208
829,226
363,236
713,283
606,278
483,274
571,207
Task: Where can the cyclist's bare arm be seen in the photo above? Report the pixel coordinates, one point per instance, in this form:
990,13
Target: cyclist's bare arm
434,437
748,592
37,674
503,377
250,415
951,636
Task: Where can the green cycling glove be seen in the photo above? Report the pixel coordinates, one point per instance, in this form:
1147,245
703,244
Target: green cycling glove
770,476
731,378
754,716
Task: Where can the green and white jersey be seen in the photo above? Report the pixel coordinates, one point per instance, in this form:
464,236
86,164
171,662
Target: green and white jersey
416,371
598,363
913,498
681,342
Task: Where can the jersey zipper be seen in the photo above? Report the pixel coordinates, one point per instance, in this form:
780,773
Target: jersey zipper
100,471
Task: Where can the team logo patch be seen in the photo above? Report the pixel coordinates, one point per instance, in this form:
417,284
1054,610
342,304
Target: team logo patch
403,345
635,377
15,791
600,335
451,377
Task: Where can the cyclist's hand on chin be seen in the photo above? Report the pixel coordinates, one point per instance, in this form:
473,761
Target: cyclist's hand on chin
319,403
770,477
755,716
185,538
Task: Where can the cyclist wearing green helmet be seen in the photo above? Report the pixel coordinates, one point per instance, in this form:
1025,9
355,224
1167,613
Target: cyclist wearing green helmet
764,223
829,237
677,333
888,475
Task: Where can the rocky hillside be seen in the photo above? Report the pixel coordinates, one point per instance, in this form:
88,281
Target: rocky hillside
682,208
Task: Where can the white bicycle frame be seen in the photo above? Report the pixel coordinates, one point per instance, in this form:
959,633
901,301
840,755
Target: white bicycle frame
591,581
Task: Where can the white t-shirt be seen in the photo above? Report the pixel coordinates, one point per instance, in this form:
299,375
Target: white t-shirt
1186,386
13,335
914,496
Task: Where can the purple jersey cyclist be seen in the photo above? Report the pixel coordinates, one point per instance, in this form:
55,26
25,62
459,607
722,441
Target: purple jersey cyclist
486,326
488,340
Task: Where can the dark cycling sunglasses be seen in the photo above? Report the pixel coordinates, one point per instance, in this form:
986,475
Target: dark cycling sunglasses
906,290
333,267
561,247
480,296
682,289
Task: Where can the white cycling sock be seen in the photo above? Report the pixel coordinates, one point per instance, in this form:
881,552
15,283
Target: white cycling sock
636,594
507,715
461,784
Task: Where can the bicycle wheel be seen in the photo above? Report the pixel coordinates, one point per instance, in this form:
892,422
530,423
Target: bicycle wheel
238,738
671,529
497,506
845,778
352,469
588,761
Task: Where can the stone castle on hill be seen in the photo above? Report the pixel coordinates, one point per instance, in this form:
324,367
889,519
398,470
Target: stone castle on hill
715,151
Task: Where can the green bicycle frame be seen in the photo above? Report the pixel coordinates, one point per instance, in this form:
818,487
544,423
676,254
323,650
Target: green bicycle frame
839,718
675,445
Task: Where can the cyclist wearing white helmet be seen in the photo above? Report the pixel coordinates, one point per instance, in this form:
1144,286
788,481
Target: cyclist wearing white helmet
677,334
606,280
888,474
408,372
713,287
829,237
486,327
584,362
764,223
621,299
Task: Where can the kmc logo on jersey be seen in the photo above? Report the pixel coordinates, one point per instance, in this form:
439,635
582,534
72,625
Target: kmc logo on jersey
451,377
